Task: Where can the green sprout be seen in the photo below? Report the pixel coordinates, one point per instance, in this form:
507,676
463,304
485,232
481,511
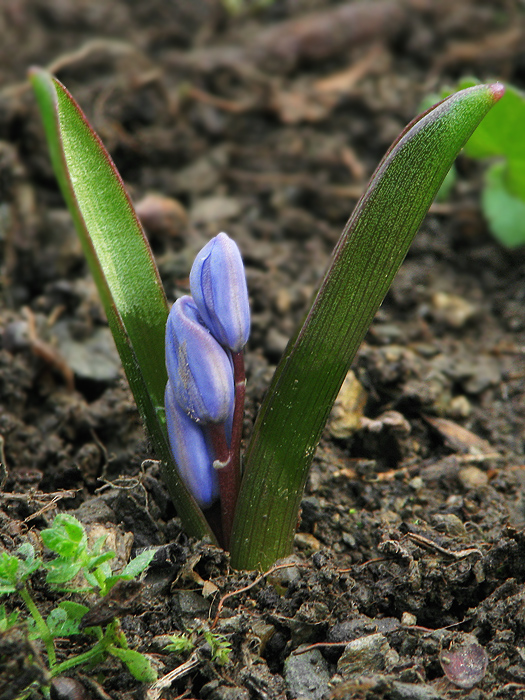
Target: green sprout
220,647
74,561
306,382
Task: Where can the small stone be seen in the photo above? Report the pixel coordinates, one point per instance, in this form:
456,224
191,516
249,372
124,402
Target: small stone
348,408
216,208
408,620
190,603
459,407
276,342
162,216
416,483
264,632
452,309
472,477
367,655
95,358
306,675
304,540
450,524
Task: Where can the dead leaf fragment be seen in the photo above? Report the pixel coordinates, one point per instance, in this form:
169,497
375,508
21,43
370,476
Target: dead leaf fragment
458,438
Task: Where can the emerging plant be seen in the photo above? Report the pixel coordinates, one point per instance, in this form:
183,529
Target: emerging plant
200,426
219,646
74,562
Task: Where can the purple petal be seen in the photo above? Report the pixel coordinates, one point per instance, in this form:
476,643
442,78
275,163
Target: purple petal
199,369
191,452
218,286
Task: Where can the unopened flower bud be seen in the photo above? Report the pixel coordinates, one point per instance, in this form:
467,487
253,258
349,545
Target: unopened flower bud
218,286
191,452
199,369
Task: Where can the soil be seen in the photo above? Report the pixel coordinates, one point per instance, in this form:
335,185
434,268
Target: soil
408,576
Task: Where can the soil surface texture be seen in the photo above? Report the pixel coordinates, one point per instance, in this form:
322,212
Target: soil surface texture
408,577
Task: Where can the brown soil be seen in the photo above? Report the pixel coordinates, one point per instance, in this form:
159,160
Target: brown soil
411,543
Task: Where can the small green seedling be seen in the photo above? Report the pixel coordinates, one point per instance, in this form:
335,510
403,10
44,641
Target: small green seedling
86,571
184,643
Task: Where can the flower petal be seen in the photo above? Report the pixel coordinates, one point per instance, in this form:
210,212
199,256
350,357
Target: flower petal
218,286
192,454
199,369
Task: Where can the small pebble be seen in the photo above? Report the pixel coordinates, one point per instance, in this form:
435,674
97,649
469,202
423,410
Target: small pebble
307,675
472,477
408,619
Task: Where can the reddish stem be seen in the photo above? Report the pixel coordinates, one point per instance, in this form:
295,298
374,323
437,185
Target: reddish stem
228,460
227,480
239,378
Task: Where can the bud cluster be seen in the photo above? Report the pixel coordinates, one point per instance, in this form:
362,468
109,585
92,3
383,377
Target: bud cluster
204,398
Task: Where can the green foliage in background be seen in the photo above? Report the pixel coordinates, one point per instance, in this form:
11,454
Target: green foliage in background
500,140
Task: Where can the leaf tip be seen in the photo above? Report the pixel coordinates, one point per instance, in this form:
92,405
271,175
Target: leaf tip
497,90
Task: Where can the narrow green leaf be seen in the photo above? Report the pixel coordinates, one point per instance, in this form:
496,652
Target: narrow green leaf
122,265
366,259
139,564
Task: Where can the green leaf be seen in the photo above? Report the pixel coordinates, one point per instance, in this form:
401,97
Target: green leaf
179,644
61,623
66,537
139,564
122,265
316,361
8,572
61,571
7,620
504,212
138,665
30,563
98,559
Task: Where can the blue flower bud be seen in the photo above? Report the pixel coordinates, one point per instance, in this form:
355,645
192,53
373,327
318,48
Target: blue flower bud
192,454
199,369
218,286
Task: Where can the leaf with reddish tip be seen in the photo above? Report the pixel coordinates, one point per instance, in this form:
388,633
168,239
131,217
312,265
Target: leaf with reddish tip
122,265
308,377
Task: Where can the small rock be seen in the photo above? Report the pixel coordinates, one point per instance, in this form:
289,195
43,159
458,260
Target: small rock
210,209
162,216
452,309
367,655
95,358
191,604
408,620
264,632
472,477
306,675
276,342
304,540
215,690
348,408
459,407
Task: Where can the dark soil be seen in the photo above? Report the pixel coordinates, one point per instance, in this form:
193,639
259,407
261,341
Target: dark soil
409,570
